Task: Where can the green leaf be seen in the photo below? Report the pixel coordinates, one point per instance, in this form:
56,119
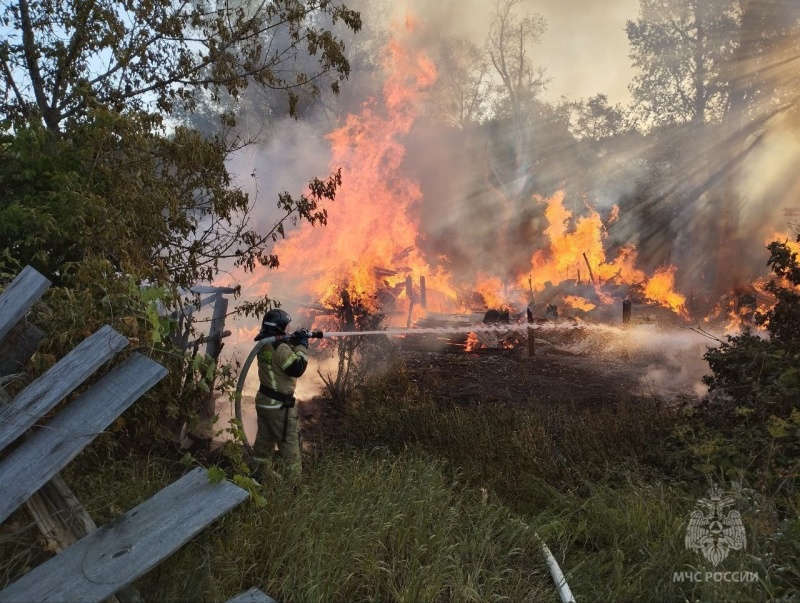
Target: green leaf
215,474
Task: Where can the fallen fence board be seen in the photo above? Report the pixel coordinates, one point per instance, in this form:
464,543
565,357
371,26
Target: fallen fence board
19,296
252,596
54,445
204,289
52,387
63,521
121,551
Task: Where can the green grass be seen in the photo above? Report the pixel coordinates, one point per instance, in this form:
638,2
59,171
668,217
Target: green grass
504,447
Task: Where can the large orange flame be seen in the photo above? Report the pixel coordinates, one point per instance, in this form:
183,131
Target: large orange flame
579,250
370,242
579,253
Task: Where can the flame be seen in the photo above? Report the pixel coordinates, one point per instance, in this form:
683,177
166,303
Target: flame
579,303
472,343
659,288
789,240
739,315
491,289
370,243
614,214
580,250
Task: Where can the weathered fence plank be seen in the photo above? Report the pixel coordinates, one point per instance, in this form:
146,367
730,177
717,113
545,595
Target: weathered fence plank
123,550
63,521
52,387
19,296
214,345
252,596
47,451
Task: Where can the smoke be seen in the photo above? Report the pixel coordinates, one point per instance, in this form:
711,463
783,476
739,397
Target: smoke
476,210
770,175
669,361
582,48
675,364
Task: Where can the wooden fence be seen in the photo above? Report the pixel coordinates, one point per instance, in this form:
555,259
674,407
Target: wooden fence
94,563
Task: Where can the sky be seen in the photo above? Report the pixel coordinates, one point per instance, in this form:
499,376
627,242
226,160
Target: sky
586,49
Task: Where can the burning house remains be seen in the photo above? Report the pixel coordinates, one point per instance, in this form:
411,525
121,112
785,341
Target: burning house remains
557,255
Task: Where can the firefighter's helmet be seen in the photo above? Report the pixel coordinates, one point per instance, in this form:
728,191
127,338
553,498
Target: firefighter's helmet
274,323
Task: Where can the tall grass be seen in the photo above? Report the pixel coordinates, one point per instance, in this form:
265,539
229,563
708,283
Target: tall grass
597,483
364,527
505,446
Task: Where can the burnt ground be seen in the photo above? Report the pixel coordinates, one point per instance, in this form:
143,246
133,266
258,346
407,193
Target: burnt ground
511,376
564,370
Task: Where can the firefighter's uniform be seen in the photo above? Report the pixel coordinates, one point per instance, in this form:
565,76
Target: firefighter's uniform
279,366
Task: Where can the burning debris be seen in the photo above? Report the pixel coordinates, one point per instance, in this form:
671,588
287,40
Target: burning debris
373,245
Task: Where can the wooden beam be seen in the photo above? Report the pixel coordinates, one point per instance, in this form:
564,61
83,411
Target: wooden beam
121,551
252,596
19,296
214,344
204,289
58,382
589,266
47,451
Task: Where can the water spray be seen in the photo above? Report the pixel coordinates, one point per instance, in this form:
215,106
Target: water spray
337,334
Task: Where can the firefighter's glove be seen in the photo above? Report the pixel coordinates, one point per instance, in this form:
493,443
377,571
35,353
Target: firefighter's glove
300,337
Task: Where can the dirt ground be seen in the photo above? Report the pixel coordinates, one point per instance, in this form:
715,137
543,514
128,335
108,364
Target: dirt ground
569,367
512,376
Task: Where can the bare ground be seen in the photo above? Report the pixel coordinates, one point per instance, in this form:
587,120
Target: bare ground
560,372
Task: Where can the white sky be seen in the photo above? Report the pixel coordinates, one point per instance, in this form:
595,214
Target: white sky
585,49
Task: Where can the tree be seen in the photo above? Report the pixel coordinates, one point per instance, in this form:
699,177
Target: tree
61,58
461,92
509,150
595,119
680,48
764,80
92,168
161,208
509,46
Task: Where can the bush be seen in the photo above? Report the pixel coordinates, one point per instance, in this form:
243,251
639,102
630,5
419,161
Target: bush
764,374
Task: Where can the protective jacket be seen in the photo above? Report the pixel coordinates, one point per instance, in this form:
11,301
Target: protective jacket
279,366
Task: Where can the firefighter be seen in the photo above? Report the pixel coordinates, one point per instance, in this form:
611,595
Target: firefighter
279,366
